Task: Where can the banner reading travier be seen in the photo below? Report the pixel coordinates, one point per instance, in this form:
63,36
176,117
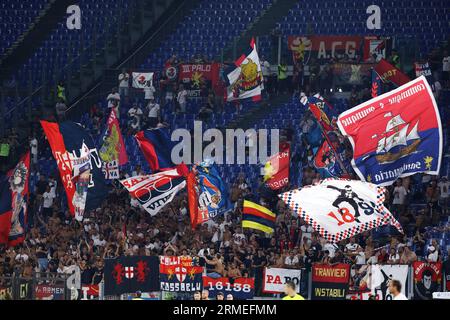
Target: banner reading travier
330,282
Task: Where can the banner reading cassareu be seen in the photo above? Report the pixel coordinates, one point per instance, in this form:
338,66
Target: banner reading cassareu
131,274
240,288
427,279
330,282
276,278
180,274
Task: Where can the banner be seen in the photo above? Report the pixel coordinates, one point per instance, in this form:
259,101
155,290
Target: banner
396,134
79,164
351,73
154,191
379,276
329,282
375,48
128,274
276,278
142,80
339,209
49,292
276,169
196,77
324,47
389,73
89,292
112,151
213,197
180,274
422,69
240,288
13,202
245,79
427,279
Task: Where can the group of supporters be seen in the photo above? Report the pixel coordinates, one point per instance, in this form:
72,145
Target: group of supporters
55,241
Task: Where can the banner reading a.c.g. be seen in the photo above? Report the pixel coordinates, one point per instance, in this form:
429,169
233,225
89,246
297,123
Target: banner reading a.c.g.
330,282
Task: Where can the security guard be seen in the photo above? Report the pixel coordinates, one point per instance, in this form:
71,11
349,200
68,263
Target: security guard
291,294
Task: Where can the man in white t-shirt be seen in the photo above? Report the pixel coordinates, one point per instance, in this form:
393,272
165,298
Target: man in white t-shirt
330,247
47,204
149,93
154,110
34,150
395,288
124,79
433,254
239,238
352,247
134,117
291,261
400,194
114,101
182,98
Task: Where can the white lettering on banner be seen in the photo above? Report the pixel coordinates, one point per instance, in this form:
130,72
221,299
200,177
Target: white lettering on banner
388,174
275,279
357,116
177,286
405,94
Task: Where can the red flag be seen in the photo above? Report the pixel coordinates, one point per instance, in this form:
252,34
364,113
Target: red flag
276,169
197,217
390,73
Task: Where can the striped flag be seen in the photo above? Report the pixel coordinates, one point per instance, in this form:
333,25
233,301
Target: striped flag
258,217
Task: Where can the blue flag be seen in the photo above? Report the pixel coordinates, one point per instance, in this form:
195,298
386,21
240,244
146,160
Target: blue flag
213,195
156,146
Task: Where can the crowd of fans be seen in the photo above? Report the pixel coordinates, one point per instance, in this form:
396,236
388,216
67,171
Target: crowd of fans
55,241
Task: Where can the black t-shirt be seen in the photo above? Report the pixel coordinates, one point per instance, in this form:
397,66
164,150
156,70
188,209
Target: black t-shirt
41,255
87,275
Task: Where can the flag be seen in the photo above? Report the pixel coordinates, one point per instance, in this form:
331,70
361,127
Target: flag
389,73
376,84
339,209
245,79
128,274
112,151
79,164
13,202
276,169
325,161
155,191
156,146
213,193
180,274
197,215
255,216
142,80
396,134
424,69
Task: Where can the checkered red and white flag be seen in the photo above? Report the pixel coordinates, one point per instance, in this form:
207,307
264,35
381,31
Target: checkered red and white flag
341,208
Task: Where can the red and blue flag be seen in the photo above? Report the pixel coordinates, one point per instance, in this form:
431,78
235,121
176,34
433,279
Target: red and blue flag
396,134
156,146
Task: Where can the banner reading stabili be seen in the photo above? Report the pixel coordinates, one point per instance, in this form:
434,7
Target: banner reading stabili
330,282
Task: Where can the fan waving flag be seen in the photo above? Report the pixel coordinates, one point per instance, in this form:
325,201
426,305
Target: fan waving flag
155,191
389,73
258,217
396,134
197,215
245,79
156,147
79,164
13,202
339,209
112,151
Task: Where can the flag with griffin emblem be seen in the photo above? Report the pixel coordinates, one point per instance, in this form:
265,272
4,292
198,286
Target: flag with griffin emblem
396,134
128,274
112,151
245,79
